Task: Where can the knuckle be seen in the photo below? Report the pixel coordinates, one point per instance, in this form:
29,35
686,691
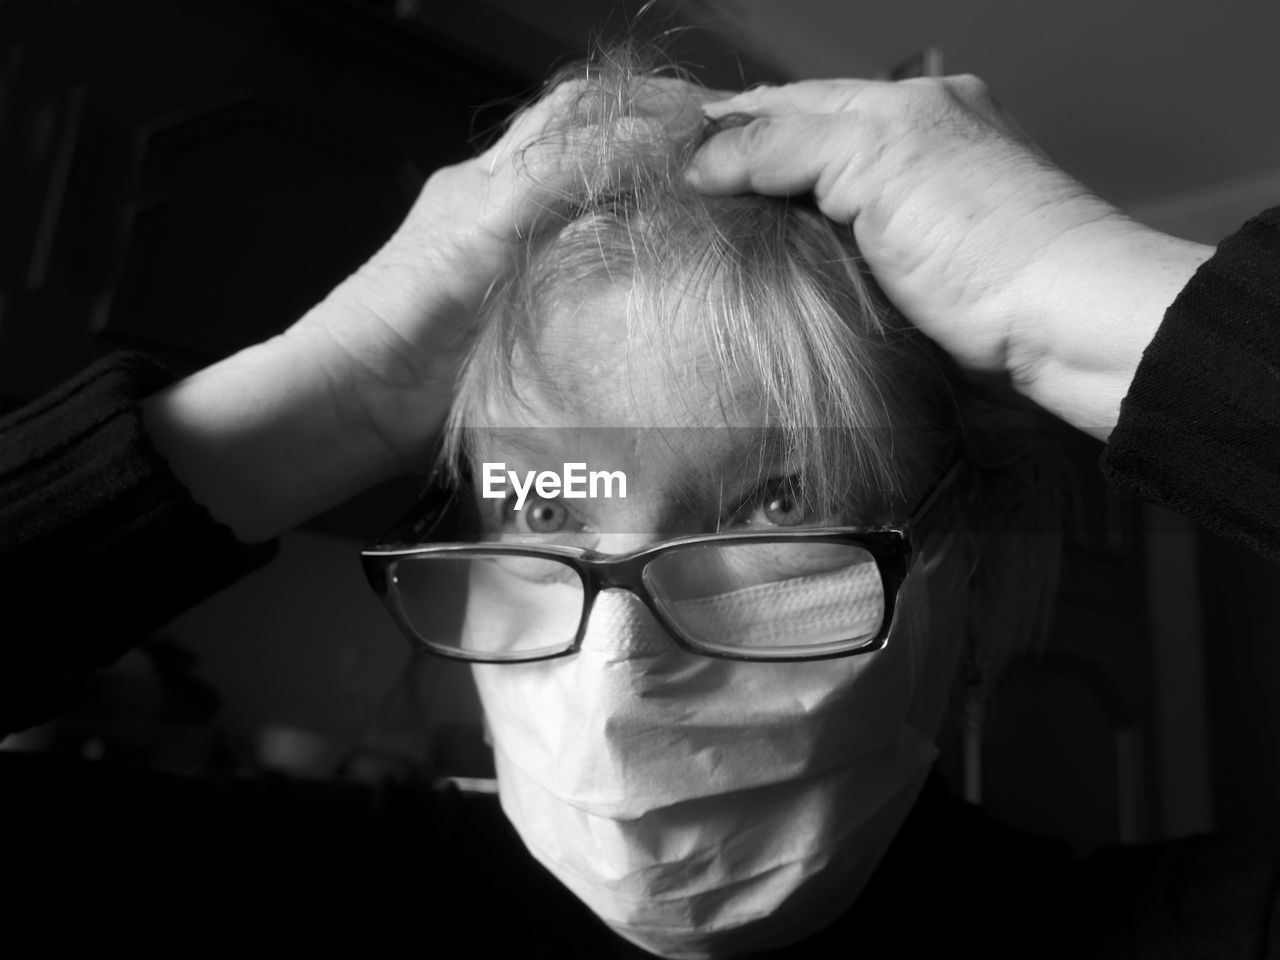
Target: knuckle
443,178
566,92
758,91
555,106
968,87
927,91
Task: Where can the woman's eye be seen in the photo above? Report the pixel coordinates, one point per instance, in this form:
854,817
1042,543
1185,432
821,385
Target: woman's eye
784,510
538,515
780,505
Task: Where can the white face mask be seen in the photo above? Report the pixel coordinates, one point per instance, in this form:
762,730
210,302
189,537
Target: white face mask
706,807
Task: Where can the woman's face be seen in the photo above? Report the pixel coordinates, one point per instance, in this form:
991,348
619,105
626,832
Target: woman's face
695,803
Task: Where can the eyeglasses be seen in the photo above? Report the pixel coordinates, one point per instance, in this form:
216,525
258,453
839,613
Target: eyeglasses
807,594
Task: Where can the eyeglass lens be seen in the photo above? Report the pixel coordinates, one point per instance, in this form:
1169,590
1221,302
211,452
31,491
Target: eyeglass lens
772,598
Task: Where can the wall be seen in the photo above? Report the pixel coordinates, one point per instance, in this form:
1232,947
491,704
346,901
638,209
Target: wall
304,649
1209,214
1241,598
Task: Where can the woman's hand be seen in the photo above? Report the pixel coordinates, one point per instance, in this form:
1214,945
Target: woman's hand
400,326
405,319
1006,261
355,391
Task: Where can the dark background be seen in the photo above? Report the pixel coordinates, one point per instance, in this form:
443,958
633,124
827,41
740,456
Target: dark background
188,177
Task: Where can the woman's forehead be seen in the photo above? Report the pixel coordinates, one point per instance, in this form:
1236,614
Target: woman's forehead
617,391
688,411
599,361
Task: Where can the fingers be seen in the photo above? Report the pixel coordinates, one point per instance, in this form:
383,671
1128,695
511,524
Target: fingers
524,173
803,136
836,157
673,105
553,112
658,108
805,96
776,156
568,145
846,139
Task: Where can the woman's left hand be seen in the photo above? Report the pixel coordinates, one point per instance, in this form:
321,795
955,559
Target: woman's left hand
1009,263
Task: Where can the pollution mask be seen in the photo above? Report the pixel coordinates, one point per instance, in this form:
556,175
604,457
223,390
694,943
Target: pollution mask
705,807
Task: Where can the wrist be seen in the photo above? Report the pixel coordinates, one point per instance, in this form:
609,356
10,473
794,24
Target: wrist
261,440
389,347
1105,294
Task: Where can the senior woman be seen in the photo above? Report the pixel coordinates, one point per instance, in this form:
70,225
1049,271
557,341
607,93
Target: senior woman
723,719
712,701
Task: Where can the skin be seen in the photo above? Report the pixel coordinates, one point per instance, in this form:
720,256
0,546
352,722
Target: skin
1011,265
644,772
1007,262
683,445
356,391
694,451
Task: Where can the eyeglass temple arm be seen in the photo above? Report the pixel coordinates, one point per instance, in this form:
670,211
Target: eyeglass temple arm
921,516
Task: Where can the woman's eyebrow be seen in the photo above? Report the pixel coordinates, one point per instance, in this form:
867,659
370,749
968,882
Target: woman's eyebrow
766,482
740,478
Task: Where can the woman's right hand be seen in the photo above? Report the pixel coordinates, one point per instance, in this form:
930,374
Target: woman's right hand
1009,263
356,390
393,334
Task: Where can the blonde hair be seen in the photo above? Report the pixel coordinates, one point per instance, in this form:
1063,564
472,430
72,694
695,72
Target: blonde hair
779,299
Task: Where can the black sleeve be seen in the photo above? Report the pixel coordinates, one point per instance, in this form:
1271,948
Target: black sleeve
1199,431
99,541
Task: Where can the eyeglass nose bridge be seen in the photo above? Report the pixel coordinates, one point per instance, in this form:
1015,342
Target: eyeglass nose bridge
623,573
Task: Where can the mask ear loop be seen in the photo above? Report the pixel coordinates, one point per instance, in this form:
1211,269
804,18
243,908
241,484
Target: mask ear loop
974,674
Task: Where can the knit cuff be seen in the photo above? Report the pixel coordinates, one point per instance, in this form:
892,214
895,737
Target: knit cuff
100,543
1198,429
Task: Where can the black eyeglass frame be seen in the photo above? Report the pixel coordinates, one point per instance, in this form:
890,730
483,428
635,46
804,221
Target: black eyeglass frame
891,546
